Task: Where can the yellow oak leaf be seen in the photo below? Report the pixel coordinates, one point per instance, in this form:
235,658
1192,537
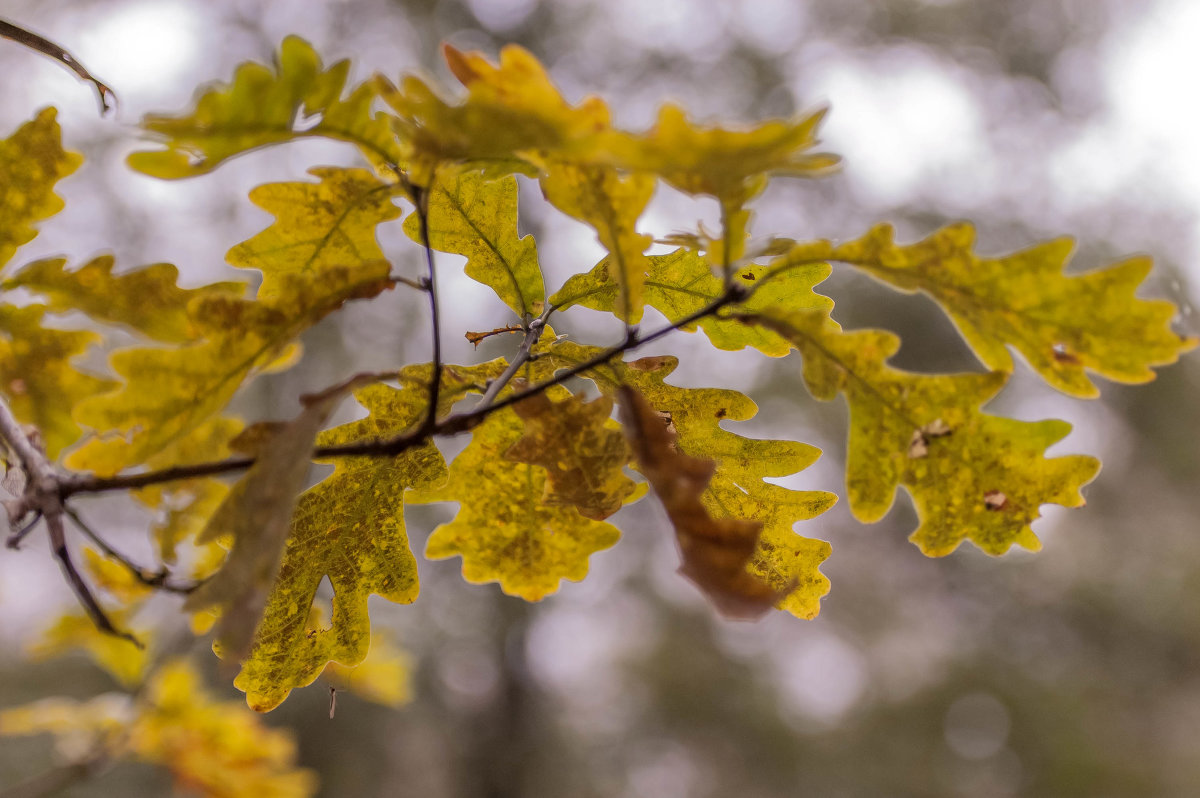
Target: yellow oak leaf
503,531
117,656
1064,325
298,99
147,300
738,488
475,217
32,161
350,528
36,375
210,748
318,226
169,392
512,110
681,283
611,204
972,476
115,578
581,449
716,550
256,515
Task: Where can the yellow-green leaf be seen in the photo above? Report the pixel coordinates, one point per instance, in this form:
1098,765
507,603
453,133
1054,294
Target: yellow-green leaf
512,110
298,99
146,300
169,392
972,476
503,531
581,449
318,226
682,283
32,161
36,375
716,550
1063,325
257,515
349,528
738,488
472,216
611,204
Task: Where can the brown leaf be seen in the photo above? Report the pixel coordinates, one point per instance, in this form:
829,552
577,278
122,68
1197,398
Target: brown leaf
582,454
715,552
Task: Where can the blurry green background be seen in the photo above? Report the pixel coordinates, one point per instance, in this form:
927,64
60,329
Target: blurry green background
1071,672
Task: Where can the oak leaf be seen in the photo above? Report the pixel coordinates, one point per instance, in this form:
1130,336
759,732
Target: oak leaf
298,99
1064,325
954,476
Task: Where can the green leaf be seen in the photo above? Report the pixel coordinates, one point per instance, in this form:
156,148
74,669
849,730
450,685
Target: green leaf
32,161
972,476
472,216
299,99
682,283
146,300
611,204
36,375
1063,325
318,226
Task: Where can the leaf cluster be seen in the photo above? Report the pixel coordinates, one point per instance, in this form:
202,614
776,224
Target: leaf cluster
548,463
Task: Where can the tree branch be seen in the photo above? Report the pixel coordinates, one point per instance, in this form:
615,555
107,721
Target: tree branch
155,579
533,334
44,46
421,200
390,447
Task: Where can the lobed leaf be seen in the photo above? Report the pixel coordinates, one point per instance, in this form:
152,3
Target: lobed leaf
1063,325
611,204
32,161
256,514
512,111
716,551
146,300
36,375
738,488
681,283
473,216
583,452
298,99
169,392
349,528
504,532
318,227
972,476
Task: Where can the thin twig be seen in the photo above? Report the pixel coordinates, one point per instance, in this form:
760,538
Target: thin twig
411,283
54,781
421,200
49,48
533,333
155,579
14,540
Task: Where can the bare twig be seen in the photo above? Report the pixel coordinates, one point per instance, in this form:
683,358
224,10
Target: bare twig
54,781
14,540
155,579
533,333
107,96
477,337
420,198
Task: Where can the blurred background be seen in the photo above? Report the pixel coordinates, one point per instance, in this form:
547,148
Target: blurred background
1071,672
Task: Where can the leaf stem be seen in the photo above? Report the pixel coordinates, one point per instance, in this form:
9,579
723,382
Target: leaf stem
421,197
